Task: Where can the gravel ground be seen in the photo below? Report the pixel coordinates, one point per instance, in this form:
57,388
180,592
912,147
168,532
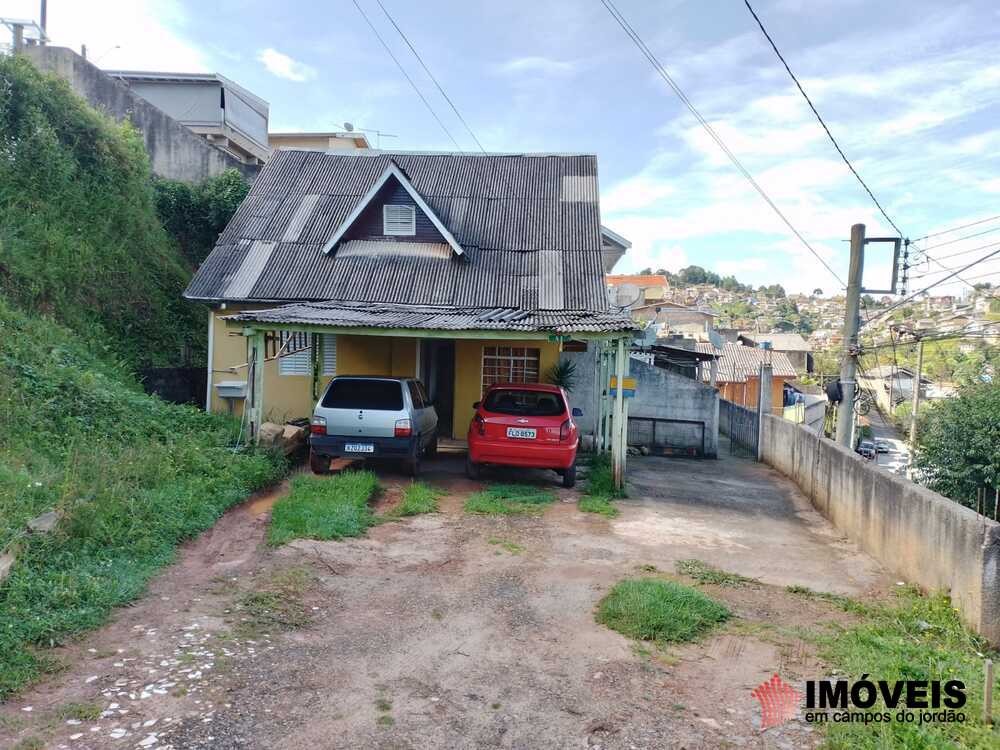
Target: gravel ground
429,632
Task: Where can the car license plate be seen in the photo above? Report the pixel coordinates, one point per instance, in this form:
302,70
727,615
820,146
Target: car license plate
523,433
359,448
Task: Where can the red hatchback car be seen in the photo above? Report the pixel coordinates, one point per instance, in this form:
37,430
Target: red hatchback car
524,424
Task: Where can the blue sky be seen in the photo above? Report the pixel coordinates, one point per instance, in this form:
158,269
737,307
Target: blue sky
911,90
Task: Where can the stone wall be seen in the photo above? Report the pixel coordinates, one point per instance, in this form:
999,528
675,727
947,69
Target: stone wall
916,534
175,152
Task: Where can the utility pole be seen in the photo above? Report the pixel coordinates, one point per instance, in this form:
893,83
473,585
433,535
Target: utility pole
916,397
852,320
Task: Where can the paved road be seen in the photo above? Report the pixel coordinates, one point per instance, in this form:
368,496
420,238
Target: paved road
898,457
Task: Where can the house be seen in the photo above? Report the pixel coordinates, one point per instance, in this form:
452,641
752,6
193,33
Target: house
461,269
738,373
671,318
326,141
613,247
893,385
798,350
639,288
221,111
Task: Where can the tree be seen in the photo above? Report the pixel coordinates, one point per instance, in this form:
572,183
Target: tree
958,444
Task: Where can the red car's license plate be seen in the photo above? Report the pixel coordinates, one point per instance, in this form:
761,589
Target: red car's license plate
522,433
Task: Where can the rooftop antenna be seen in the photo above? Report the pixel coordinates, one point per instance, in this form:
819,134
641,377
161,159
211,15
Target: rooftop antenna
350,128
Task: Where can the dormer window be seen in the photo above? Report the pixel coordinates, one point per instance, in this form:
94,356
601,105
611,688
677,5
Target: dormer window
399,220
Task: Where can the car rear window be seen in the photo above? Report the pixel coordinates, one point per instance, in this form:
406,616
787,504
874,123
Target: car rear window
360,393
524,402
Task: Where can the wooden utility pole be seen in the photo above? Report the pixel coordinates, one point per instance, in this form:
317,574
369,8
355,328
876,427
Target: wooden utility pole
916,398
852,321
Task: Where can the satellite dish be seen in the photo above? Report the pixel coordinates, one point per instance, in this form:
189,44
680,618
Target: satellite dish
627,295
349,127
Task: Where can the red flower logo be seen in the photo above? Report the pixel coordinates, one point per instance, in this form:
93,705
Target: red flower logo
779,702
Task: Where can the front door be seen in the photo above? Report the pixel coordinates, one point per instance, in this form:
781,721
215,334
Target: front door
437,365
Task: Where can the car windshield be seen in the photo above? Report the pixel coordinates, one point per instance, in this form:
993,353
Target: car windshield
361,393
524,402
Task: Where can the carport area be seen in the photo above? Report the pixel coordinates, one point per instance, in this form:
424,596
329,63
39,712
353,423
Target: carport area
458,630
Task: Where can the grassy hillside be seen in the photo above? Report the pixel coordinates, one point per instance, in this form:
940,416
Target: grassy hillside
90,285
80,239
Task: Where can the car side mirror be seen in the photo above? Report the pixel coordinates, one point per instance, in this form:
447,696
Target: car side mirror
577,412
475,404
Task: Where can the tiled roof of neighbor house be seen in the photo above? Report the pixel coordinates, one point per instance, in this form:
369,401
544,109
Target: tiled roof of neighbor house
438,318
528,225
738,362
640,280
782,342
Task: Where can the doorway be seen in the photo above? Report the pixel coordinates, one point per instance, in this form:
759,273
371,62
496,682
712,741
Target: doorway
437,371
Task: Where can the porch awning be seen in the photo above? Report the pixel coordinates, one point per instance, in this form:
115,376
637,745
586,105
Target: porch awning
437,318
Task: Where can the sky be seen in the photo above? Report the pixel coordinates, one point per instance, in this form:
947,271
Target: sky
911,91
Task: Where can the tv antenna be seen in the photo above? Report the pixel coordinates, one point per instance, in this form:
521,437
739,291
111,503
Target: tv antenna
350,127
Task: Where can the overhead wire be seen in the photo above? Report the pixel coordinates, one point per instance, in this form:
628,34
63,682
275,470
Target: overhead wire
440,88
665,75
821,121
955,229
406,75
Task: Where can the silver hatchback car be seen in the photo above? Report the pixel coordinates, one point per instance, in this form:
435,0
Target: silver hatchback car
373,417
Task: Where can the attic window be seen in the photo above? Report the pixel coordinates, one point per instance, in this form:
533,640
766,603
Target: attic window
399,220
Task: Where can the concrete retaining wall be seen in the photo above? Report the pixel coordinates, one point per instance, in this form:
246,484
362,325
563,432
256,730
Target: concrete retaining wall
175,152
916,534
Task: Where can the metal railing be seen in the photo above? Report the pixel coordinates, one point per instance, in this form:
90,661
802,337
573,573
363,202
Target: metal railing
740,425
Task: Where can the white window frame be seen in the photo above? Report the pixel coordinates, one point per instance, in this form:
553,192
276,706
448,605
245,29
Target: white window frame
328,350
393,225
529,357
297,362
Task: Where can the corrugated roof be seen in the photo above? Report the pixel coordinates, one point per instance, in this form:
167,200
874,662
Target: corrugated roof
738,362
529,226
438,318
640,280
782,342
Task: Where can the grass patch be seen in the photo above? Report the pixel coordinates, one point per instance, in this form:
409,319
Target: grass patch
30,743
913,638
702,572
274,604
845,603
664,612
513,547
510,499
385,721
324,508
418,499
80,711
600,488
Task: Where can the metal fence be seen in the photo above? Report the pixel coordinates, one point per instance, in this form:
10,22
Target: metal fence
740,425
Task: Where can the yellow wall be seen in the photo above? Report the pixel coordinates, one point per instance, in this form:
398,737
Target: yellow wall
469,374
290,396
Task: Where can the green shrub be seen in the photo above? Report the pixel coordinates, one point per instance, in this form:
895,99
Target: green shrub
510,499
649,609
324,508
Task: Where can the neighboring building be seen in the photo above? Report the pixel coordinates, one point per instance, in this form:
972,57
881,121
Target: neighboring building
221,111
613,247
671,318
798,350
887,381
462,269
647,287
738,377
337,140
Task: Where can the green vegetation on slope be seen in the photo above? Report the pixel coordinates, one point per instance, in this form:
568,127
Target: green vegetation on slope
80,239
129,476
650,609
324,508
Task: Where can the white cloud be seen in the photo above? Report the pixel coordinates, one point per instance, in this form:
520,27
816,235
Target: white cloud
535,65
283,66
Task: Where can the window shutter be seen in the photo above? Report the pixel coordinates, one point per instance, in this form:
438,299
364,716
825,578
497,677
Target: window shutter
298,359
329,349
399,220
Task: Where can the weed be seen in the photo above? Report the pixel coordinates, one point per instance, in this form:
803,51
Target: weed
437,614
600,488
495,706
29,743
275,603
647,568
660,611
80,711
510,499
385,720
513,547
417,499
597,504
702,572
324,508
383,704
846,603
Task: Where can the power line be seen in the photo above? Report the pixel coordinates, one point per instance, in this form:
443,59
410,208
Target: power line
960,239
431,75
966,252
955,229
929,286
647,53
405,74
821,121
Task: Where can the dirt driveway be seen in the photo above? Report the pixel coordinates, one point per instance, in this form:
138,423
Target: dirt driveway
458,631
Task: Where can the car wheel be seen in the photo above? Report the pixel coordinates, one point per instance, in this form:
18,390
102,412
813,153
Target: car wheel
472,470
431,450
413,465
319,464
569,476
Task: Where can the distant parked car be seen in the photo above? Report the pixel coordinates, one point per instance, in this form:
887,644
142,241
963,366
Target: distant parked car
524,424
882,446
867,449
373,417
